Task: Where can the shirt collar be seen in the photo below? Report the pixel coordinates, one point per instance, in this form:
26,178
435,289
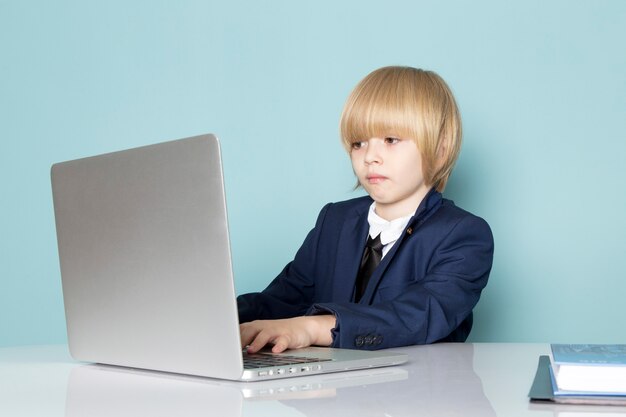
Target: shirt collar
428,205
389,231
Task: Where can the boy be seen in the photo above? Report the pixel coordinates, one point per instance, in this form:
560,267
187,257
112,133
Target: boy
399,267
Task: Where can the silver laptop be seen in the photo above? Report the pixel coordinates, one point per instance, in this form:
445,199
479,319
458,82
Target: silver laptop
146,267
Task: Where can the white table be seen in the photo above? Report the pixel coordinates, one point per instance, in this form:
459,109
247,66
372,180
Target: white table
481,379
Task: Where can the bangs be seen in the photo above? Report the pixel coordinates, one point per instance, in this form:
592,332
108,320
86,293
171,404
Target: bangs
373,120
381,106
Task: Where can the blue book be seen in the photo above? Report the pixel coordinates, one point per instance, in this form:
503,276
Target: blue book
587,368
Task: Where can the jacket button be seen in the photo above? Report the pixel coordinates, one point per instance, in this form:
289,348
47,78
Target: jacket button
409,230
358,341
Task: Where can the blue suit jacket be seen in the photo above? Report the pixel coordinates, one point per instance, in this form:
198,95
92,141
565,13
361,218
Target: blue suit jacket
423,291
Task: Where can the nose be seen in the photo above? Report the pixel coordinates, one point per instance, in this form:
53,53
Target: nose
372,152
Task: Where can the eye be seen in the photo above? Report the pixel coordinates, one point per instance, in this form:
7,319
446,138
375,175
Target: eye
391,140
356,145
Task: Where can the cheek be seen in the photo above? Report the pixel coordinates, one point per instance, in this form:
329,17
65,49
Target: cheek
413,171
354,160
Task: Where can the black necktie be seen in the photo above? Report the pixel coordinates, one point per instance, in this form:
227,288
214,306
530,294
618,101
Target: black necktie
372,255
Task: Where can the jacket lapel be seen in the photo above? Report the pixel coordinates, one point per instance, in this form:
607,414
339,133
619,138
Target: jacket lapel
379,271
349,253
428,206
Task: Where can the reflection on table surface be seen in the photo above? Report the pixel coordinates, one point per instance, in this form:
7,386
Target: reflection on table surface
102,390
426,386
439,380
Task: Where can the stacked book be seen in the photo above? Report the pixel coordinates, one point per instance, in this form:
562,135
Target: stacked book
582,374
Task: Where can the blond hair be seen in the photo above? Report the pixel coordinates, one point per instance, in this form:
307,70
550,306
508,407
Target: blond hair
409,103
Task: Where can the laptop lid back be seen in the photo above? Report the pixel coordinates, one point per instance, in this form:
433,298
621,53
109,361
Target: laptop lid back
145,259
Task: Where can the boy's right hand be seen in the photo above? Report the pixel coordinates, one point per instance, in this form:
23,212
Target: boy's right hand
293,333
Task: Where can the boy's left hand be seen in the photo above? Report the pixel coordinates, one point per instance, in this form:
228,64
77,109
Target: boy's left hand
293,333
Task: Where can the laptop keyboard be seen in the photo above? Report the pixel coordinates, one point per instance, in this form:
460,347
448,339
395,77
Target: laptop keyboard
263,360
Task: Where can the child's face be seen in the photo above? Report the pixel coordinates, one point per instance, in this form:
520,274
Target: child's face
390,170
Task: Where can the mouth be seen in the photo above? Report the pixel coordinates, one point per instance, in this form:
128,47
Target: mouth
375,178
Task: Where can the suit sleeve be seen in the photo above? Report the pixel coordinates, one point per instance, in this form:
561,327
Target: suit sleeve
426,310
291,293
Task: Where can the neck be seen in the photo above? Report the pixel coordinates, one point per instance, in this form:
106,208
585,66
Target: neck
405,208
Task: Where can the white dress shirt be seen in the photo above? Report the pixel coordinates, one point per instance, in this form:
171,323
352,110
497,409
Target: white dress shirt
389,231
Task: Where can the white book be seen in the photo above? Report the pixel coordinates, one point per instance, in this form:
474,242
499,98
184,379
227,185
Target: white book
588,368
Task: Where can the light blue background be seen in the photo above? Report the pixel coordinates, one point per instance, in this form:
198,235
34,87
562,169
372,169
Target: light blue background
541,86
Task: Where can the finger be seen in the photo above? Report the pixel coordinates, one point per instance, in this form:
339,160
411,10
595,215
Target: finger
260,340
281,344
247,334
